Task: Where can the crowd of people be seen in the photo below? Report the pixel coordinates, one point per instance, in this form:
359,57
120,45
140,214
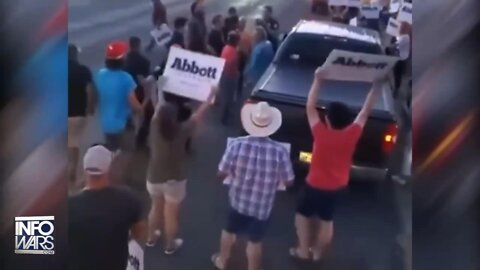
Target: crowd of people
125,93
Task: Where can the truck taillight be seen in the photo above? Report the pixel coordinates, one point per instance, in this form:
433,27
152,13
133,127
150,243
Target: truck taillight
390,138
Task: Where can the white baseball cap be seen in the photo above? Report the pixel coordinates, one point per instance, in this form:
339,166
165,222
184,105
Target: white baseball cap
97,160
261,119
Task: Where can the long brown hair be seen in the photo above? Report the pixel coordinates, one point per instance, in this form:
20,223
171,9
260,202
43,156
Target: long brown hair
168,121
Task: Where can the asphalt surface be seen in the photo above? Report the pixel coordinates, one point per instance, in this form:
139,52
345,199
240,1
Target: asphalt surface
366,220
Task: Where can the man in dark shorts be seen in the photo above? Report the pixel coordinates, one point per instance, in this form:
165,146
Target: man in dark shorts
138,66
101,217
335,139
80,102
255,166
231,21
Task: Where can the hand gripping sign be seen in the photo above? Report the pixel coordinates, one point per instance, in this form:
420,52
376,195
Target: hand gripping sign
281,186
192,74
405,13
361,67
135,256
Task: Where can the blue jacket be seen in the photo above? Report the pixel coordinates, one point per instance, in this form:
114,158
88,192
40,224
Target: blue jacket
261,58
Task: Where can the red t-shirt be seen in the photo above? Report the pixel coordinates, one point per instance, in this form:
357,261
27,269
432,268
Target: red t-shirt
229,53
332,156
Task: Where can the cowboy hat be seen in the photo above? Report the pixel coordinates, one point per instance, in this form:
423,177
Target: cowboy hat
260,119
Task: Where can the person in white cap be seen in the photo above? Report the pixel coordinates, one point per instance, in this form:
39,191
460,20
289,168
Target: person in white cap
254,166
101,217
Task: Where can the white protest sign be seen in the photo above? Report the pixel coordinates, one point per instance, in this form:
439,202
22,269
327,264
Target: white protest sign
337,2
162,35
281,186
370,11
192,74
395,6
405,13
135,256
393,27
361,67
353,22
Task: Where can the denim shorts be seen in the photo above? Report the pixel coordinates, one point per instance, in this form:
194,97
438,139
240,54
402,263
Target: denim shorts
240,224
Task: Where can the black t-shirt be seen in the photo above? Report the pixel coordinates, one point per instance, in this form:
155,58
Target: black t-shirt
79,76
177,38
136,64
231,24
272,24
215,40
99,222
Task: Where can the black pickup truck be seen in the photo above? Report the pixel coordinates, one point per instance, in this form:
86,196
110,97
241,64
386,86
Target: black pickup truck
287,81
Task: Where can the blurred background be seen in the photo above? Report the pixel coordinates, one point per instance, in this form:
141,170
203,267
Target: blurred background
33,121
446,134
445,220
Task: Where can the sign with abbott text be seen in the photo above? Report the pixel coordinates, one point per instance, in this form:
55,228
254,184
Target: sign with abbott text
34,235
161,35
393,27
405,13
135,256
370,11
281,186
361,67
192,74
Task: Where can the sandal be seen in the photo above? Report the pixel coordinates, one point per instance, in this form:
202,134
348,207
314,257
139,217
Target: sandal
177,244
294,254
216,261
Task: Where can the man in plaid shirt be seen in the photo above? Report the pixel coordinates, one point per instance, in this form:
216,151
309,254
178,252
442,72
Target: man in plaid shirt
255,166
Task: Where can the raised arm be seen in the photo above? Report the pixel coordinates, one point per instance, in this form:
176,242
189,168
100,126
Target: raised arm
369,103
312,113
197,116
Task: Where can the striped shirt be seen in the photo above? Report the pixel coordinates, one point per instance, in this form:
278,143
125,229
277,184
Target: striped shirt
256,166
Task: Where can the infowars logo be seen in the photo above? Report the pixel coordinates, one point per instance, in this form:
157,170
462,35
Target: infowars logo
191,67
34,235
350,62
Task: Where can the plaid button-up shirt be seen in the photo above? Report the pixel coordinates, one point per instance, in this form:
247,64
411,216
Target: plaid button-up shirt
256,166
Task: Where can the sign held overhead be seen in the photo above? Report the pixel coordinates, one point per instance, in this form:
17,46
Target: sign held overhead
361,67
405,13
393,27
190,74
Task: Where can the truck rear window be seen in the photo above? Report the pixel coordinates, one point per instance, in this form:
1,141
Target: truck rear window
311,49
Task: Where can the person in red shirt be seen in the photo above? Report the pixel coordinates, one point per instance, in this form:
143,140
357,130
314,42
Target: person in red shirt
229,82
335,138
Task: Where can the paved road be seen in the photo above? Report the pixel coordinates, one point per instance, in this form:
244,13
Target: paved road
366,220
